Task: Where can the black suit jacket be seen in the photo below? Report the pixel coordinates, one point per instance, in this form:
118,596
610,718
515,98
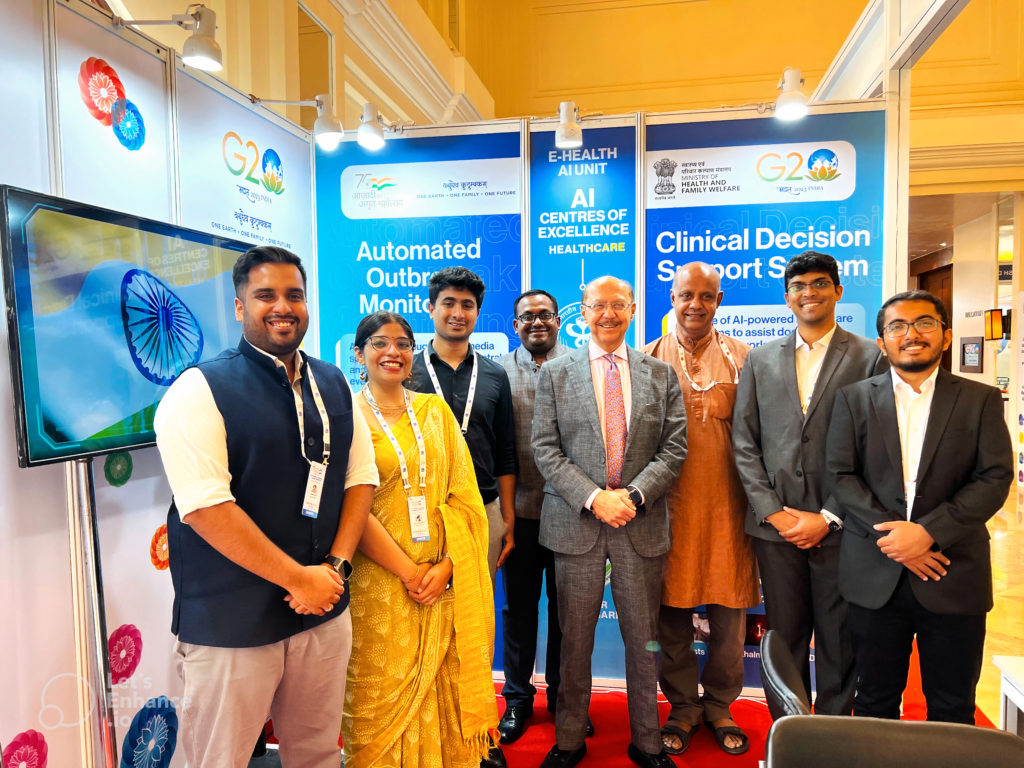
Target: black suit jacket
963,477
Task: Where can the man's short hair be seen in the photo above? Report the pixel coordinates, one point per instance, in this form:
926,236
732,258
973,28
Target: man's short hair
528,294
263,254
812,261
459,278
916,295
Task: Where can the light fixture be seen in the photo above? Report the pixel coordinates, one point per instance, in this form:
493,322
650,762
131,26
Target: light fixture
791,103
568,134
327,128
201,50
371,132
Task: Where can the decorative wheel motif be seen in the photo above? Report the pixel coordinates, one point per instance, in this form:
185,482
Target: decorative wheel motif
152,737
127,123
100,87
158,554
164,337
27,749
124,649
118,468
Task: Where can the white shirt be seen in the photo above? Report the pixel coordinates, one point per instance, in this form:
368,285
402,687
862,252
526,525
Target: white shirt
598,369
809,358
192,440
912,409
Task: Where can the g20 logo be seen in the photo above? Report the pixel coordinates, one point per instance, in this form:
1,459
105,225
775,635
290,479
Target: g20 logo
822,165
244,159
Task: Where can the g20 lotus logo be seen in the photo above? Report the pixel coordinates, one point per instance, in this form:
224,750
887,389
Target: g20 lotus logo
822,165
245,159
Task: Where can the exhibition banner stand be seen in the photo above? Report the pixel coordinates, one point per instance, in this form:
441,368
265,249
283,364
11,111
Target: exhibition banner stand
387,220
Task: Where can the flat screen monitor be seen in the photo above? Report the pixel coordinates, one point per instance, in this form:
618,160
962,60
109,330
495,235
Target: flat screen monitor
104,311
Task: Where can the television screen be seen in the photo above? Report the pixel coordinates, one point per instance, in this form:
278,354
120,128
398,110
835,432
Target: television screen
104,311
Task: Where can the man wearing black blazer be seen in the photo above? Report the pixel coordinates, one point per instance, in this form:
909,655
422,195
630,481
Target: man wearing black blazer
922,459
783,404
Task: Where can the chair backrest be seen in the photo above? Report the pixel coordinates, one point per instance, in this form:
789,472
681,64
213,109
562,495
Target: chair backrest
856,742
782,681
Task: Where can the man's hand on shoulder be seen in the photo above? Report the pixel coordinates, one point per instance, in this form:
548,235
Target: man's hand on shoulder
613,507
316,589
904,540
808,530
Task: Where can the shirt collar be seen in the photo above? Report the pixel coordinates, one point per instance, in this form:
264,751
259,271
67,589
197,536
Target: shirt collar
928,385
524,357
824,341
300,359
596,353
693,346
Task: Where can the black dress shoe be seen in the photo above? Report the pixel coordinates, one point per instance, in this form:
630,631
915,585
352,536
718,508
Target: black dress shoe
563,758
495,759
648,760
590,727
513,723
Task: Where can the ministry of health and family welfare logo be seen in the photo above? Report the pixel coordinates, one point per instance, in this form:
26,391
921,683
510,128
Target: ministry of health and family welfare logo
823,165
664,168
103,93
575,332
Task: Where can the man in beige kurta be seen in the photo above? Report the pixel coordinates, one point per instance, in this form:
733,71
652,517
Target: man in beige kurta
711,561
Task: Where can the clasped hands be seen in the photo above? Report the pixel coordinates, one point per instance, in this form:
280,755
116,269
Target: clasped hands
800,528
910,544
316,589
429,581
614,507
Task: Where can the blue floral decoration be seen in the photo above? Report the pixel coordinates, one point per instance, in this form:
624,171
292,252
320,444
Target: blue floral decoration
153,734
126,120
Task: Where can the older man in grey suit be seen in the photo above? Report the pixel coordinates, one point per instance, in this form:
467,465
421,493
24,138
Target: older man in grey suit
609,437
783,405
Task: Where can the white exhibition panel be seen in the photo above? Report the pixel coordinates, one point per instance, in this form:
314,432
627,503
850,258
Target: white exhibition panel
39,708
113,105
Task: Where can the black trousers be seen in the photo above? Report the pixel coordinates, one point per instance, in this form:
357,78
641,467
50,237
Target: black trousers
801,598
951,648
522,574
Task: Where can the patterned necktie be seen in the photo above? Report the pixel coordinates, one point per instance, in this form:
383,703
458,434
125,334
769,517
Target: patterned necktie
614,422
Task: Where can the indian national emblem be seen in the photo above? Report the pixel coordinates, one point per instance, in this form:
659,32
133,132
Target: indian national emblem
665,168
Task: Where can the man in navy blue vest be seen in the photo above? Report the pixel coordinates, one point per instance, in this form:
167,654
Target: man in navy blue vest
273,474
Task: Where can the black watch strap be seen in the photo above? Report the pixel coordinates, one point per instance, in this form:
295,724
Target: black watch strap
342,566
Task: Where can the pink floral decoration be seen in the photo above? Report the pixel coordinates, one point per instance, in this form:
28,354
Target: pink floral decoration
125,650
27,750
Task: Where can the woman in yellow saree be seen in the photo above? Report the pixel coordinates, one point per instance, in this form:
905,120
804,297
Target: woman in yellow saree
419,691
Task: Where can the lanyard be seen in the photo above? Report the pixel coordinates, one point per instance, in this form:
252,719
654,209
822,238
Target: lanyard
728,356
420,444
323,418
472,385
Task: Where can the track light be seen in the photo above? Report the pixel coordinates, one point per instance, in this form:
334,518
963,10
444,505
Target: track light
327,129
791,103
568,134
371,132
201,50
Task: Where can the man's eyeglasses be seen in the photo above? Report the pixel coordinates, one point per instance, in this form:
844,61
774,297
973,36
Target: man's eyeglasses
402,344
601,306
529,317
898,328
796,289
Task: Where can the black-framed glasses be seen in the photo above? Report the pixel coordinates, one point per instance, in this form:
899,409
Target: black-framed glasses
530,317
601,306
402,343
898,328
796,289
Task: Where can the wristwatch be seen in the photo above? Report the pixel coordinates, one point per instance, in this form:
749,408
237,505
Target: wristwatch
834,525
636,497
340,565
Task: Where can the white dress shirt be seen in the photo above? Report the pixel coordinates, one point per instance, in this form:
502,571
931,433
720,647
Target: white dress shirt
912,409
809,358
598,369
193,446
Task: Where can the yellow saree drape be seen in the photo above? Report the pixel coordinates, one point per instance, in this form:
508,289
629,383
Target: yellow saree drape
419,691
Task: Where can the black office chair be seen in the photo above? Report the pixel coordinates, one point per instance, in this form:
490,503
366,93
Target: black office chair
856,742
783,684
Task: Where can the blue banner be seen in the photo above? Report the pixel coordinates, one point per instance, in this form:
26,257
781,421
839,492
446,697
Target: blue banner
582,218
748,195
387,220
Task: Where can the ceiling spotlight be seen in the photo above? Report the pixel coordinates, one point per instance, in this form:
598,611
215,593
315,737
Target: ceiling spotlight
371,132
568,134
327,128
201,50
791,103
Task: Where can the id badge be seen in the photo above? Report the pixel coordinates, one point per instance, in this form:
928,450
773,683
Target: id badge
314,487
418,518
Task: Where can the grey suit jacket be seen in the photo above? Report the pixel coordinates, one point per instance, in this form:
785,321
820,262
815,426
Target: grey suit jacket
963,477
568,447
780,451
